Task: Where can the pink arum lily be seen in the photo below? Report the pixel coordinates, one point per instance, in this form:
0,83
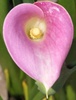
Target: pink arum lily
38,37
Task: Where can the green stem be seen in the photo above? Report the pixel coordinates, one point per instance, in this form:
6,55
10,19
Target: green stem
51,98
16,2
71,95
25,90
39,96
7,78
28,1
4,4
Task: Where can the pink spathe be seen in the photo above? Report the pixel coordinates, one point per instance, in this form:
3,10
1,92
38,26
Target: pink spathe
41,60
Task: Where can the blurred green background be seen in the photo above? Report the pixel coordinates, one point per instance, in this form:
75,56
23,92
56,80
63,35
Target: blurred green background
18,83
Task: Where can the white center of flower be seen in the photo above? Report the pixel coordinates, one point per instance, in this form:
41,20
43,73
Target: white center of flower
35,28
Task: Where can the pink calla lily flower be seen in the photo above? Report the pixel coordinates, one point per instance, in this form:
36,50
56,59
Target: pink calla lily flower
38,37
